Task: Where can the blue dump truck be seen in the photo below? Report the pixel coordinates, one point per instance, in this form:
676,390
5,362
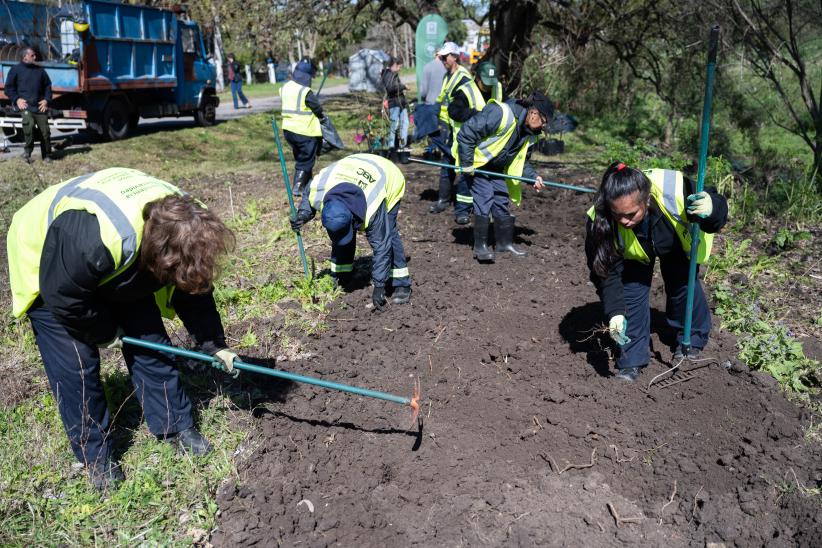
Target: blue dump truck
110,64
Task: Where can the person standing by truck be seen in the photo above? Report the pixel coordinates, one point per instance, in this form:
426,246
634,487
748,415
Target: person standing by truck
236,82
28,87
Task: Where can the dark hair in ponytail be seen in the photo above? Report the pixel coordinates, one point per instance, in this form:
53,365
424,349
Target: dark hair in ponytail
619,180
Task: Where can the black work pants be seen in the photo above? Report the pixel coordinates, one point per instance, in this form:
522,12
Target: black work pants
73,370
636,283
33,121
305,149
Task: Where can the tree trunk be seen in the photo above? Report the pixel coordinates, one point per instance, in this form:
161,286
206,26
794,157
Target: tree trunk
218,54
511,24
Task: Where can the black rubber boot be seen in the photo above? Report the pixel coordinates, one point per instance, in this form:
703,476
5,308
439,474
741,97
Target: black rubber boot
439,206
300,181
190,441
401,295
504,234
105,476
481,250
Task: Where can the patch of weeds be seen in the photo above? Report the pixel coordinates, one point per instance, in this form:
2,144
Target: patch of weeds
786,238
765,343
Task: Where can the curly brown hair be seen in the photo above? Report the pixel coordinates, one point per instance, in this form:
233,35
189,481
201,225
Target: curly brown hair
183,242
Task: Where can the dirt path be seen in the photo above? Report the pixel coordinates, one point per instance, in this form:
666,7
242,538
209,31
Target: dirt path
508,388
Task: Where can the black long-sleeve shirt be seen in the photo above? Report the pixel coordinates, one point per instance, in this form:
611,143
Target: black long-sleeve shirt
75,260
394,89
29,82
377,233
657,237
484,124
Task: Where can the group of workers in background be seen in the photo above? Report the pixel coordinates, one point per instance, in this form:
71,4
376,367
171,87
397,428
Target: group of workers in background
108,254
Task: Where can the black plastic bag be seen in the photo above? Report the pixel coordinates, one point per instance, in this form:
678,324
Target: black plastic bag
331,139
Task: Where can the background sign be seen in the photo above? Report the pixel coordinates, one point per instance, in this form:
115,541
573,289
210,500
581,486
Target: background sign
430,36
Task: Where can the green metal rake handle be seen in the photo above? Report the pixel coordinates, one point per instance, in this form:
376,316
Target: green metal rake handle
503,175
243,366
293,209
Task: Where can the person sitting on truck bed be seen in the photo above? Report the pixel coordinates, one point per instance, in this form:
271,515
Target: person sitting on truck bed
28,87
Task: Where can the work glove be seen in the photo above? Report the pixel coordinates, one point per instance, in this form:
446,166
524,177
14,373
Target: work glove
299,220
468,170
225,359
617,328
700,204
378,298
116,342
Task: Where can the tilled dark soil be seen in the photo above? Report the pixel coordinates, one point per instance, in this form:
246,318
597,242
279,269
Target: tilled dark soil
510,384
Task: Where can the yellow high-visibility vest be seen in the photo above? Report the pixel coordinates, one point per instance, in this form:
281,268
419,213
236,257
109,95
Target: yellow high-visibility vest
379,179
668,191
297,117
449,85
493,145
477,102
116,196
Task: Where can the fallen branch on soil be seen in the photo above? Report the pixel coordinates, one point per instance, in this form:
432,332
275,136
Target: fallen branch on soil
673,494
550,460
537,423
619,460
440,334
620,520
696,498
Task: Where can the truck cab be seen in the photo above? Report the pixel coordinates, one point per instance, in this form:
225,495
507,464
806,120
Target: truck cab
116,63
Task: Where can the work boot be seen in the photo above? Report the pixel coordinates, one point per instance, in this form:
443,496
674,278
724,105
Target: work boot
462,218
504,234
189,441
481,250
300,181
405,155
630,374
27,156
401,295
439,206
105,476
679,353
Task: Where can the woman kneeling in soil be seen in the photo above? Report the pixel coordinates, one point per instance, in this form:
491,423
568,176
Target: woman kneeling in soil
102,256
361,192
637,217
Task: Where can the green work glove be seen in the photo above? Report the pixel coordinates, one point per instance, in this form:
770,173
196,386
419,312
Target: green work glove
225,359
617,328
116,342
700,204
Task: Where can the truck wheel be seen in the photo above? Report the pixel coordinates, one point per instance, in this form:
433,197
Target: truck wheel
206,115
115,120
133,121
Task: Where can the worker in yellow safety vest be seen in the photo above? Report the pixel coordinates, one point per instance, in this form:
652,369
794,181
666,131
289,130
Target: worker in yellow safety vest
101,256
498,139
455,76
302,115
361,192
638,216
466,101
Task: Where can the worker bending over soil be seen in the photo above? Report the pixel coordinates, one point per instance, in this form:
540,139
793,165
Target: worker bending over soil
105,255
637,217
302,114
469,99
498,139
361,192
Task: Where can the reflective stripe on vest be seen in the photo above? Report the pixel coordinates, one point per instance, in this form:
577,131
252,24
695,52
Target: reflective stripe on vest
492,146
667,190
116,196
449,85
387,187
297,117
475,101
